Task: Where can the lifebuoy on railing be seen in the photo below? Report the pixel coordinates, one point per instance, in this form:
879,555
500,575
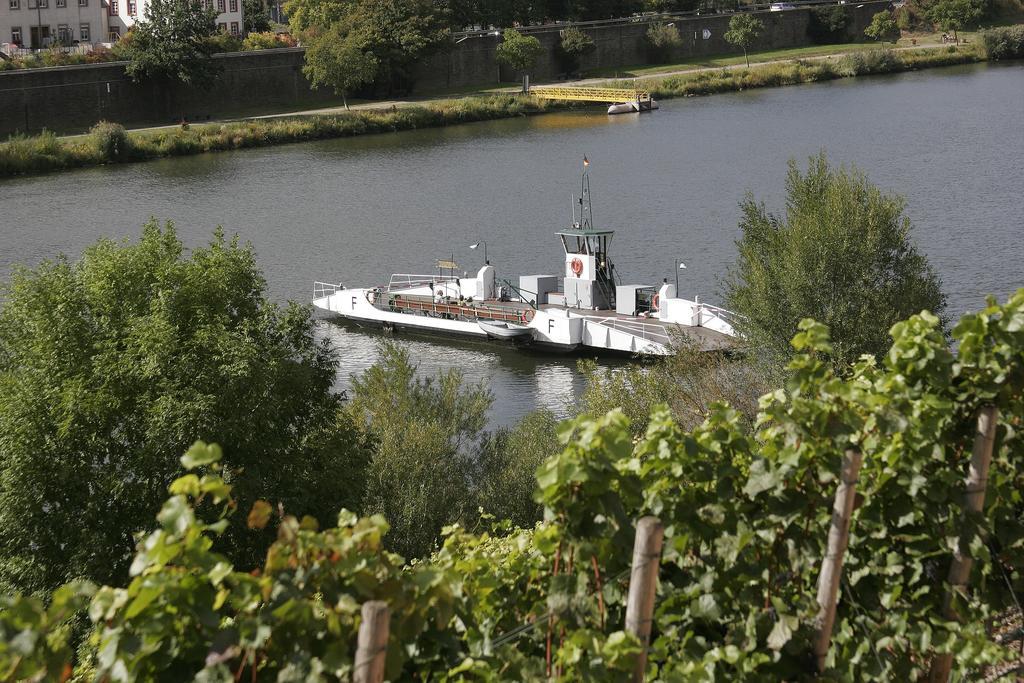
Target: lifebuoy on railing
577,266
528,315
654,302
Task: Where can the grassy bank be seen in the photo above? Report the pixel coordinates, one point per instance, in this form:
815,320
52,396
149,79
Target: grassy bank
109,143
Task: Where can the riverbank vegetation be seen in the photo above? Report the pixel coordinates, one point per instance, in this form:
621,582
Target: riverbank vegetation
48,152
502,555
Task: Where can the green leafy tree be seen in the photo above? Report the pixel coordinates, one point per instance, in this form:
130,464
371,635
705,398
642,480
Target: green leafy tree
110,366
517,51
256,15
883,27
842,254
339,61
955,15
172,44
663,40
827,24
574,44
743,31
426,434
398,33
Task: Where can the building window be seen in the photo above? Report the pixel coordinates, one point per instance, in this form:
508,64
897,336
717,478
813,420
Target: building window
113,8
233,5
15,4
83,3
220,5
222,27
43,3
62,3
63,34
16,35
114,34
83,31
131,8
234,28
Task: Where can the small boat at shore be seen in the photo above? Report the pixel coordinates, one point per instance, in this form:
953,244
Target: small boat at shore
632,107
587,307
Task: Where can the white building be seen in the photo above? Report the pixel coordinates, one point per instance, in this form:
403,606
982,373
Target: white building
125,13
41,23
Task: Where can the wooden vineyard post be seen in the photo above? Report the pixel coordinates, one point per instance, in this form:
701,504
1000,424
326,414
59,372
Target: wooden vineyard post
832,563
643,581
373,643
974,502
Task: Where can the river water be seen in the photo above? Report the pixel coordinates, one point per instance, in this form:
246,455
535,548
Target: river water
353,211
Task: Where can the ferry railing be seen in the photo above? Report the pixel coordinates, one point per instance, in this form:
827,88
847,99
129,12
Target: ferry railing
410,280
322,289
646,331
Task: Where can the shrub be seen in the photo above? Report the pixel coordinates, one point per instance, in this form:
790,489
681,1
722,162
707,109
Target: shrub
111,140
573,45
1004,43
828,24
225,42
662,41
268,40
869,62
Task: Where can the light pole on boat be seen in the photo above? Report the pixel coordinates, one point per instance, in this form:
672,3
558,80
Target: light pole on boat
483,242
679,266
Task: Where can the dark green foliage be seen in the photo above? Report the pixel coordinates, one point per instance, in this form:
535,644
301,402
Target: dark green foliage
256,16
172,45
954,15
574,44
517,51
508,466
842,253
743,31
110,366
426,433
338,60
662,41
883,27
827,24
746,526
397,33
111,140
1004,43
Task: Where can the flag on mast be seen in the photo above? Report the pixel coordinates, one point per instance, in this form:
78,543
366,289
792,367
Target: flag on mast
586,162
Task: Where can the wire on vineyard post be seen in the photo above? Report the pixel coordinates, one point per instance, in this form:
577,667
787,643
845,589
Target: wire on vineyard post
373,643
643,581
832,563
974,501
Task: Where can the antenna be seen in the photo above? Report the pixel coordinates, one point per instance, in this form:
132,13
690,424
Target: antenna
586,219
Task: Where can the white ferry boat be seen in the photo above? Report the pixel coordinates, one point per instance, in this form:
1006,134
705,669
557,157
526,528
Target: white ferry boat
585,308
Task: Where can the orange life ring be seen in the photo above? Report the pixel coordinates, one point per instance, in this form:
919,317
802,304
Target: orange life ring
654,302
528,315
577,266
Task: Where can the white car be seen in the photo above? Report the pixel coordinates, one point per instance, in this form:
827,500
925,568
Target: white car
780,6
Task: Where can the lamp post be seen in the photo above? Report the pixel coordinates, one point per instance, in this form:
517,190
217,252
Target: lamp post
483,242
679,266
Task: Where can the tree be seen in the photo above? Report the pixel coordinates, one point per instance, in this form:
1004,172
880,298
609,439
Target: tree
517,51
111,366
954,15
339,62
426,433
743,31
841,254
827,24
882,27
398,33
256,15
571,48
171,45
662,39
